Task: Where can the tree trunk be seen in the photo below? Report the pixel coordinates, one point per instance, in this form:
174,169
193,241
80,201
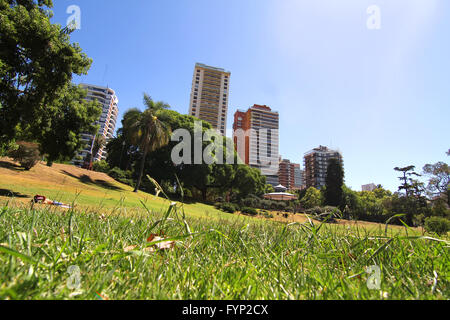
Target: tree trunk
141,170
204,194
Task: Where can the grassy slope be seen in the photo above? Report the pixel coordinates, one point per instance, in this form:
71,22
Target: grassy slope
97,191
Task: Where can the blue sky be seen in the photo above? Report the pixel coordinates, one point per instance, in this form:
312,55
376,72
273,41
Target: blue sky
382,97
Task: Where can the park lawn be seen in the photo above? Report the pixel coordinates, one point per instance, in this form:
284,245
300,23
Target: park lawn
97,192
90,191
46,254
215,255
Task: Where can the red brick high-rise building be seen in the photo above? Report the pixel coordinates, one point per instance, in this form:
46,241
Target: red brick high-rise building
255,136
290,175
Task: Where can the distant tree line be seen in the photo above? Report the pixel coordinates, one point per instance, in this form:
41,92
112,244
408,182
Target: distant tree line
415,203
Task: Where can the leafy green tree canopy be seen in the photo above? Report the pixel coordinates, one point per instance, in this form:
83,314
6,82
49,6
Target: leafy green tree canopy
313,198
37,61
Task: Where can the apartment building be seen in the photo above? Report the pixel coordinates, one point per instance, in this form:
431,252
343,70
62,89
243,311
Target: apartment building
298,177
316,164
107,121
209,96
290,175
255,135
369,187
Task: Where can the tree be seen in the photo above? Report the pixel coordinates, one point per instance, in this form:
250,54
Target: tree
146,130
408,182
37,62
381,193
440,208
333,193
120,152
27,154
97,145
312,198
75,116
439,181
248,181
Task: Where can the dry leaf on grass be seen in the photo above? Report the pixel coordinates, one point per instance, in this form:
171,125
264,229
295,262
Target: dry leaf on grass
163,245
129,248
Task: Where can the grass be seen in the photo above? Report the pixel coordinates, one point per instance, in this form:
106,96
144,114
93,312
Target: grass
212,259
98,193
93,191
216,255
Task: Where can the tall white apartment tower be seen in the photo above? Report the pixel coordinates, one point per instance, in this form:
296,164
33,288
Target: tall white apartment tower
107,122
209,96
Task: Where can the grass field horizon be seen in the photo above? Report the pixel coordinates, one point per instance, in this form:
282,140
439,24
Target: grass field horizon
95,191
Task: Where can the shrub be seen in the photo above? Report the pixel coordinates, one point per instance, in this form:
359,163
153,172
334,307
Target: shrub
250,211
266,204
101,166
117,173
125,177
327,214
219,200
438,225
227,207
252,202
27,154
267,214
6,148
440,209
314,211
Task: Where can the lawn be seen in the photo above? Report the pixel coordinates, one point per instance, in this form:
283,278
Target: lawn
97,192
104,247
91,191
49,254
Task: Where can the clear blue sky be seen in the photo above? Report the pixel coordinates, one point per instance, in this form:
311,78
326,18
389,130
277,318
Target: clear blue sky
382,97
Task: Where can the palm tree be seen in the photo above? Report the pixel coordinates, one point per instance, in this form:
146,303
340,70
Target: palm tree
146,131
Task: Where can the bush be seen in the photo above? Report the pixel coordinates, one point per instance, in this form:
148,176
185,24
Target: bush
326,214
250,211
438,225
27,154
440,209
227,207
5,148
125,177
267,214
251,202
266,204
101,166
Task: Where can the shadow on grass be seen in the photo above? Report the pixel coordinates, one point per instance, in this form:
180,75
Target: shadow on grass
87,180
12,194
10,166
